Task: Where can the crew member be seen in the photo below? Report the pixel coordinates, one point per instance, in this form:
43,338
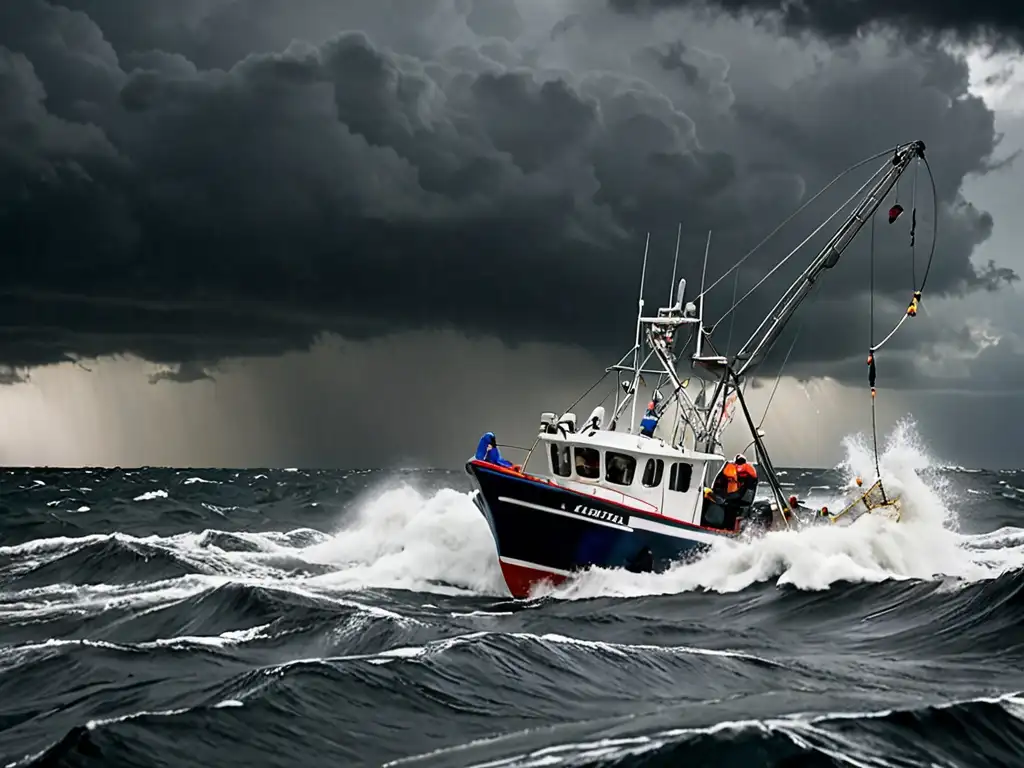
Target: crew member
727,494
487,450
796,507
650,421
587,463
736,477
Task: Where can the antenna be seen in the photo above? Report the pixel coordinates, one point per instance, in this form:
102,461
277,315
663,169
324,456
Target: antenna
732,318
675,263
700,316
636,345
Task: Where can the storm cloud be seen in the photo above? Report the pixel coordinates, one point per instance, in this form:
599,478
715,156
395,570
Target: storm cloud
990,21
196,181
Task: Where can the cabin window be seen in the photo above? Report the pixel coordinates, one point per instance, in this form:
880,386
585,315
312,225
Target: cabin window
588,463
619,468
652,473
561,464
679,477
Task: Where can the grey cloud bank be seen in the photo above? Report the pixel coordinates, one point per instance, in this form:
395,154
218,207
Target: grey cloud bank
190,182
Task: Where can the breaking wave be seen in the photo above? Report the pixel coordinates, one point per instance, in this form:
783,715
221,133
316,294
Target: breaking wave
167,617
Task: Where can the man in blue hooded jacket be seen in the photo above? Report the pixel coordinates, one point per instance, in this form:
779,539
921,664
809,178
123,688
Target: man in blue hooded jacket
487,450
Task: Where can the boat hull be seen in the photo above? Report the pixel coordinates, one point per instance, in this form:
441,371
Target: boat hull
544,532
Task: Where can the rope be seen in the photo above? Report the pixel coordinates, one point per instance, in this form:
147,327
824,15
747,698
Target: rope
918,289
732,321
874,435
812,297
891,333
913,225
592,388
912,309
871,289
871,358
778,377
935,224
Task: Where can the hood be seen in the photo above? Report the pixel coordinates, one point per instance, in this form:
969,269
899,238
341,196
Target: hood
483,445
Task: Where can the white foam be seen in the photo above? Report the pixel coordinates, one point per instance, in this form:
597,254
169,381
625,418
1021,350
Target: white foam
58,544
150,495
403,538
223,640
399,538
925,545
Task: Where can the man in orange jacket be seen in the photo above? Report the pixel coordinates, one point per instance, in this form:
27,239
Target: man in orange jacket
734,479
726,493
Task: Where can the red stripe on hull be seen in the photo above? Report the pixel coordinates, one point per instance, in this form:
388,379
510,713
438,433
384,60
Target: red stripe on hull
520,579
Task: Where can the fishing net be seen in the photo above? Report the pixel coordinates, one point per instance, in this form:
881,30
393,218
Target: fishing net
873,500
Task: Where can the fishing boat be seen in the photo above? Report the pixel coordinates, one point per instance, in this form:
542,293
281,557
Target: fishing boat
659,490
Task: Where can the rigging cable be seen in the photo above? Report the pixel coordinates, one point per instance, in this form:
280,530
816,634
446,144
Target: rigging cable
913,224
935,222
804,242
793,215
580,398
871,358
915,301
778,377
732,321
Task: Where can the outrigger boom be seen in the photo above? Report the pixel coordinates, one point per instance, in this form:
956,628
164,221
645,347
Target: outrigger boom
827,258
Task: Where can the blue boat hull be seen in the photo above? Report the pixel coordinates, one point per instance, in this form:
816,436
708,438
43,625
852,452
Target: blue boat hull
543,532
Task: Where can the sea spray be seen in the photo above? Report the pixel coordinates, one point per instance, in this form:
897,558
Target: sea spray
925,545
406,539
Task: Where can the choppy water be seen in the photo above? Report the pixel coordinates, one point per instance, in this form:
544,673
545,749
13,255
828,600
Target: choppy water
289,618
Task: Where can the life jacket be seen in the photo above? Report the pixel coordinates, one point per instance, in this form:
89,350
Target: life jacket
733,473
732,478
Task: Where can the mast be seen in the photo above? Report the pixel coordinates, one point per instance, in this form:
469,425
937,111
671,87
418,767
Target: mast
675,264
700,311
639,325
776,320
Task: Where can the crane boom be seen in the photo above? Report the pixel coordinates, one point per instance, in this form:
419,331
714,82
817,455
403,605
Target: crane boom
750,354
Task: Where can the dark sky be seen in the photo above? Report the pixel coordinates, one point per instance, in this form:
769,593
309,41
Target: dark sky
994,22
201,182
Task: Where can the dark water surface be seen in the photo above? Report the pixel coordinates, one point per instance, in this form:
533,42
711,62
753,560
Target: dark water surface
161,617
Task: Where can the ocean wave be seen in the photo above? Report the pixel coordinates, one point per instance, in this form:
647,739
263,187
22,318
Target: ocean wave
297,617
980,732
110,560
892,738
